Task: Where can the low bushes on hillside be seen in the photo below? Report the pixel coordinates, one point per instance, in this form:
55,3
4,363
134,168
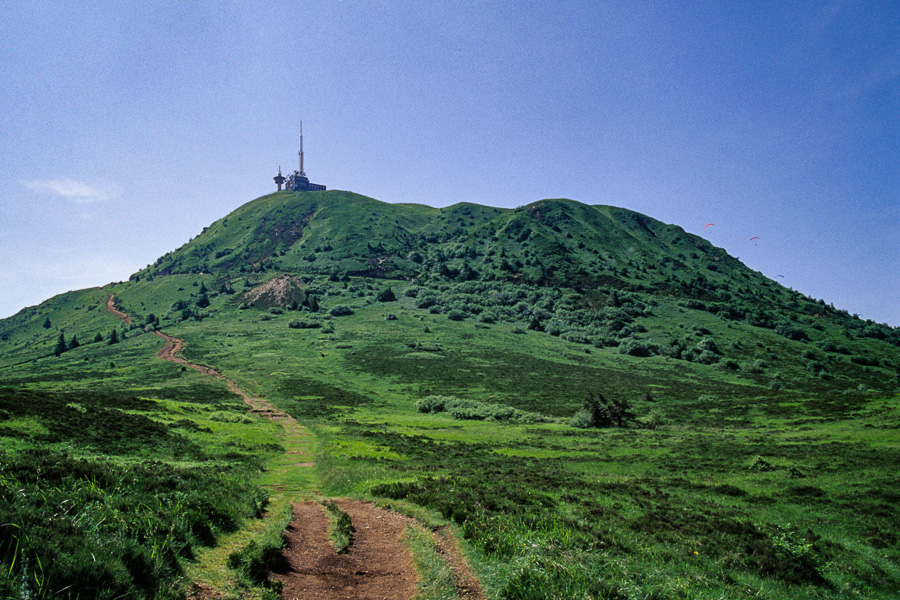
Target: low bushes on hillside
478,411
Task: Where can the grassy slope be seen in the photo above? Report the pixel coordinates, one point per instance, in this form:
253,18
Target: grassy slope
671,511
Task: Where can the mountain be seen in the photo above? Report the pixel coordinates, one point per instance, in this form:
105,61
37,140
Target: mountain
600,404
551,242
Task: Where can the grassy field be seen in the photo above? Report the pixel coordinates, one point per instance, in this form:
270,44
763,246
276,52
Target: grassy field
721,485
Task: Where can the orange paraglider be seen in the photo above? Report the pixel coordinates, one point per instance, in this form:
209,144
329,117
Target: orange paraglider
707,225
754,238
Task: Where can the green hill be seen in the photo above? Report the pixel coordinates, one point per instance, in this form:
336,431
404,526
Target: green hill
709,432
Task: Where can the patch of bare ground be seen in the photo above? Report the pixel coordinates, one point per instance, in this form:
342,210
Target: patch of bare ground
280,291
202,592
377,566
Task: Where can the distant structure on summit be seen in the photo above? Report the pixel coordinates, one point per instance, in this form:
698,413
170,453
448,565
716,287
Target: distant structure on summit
297,181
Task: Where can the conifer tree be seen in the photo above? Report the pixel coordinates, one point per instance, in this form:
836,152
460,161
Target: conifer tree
60,345
113,338
74,343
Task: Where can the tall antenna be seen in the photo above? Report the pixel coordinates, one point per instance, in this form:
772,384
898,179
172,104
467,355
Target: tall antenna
302,174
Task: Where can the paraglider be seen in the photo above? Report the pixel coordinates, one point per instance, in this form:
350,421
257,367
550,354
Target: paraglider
756,237
707,225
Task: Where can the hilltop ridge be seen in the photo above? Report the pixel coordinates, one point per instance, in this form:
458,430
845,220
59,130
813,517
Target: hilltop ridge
557,242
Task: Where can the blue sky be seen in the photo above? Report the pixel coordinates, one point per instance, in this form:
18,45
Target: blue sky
125,128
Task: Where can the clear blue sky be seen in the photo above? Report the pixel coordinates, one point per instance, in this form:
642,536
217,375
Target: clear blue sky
126,127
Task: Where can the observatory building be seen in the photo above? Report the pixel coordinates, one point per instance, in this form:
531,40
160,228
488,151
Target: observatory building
297,181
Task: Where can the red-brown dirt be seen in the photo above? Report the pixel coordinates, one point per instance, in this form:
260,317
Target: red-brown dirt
377,565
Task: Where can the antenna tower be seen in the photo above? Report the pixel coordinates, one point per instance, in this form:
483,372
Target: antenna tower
302,174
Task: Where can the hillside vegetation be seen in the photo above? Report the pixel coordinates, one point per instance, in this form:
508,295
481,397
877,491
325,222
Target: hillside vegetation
601,405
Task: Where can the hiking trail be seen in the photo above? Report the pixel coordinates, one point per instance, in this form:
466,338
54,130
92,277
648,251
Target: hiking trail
378,564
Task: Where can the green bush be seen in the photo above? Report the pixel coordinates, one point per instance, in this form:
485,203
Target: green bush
792,333
340,310
386,295
301,324
472,410
707,357
817,368
433,404
633,347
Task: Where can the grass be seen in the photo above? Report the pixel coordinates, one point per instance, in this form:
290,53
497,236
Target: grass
436,577
340,527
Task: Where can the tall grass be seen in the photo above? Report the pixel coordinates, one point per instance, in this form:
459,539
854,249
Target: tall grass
73,528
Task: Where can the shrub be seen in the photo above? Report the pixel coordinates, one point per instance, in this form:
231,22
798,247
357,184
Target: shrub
340,310
456,315
707,357
301,324
386,295
472,410
792,333
433,404
651,421
633,347
710,345
761,464
598,412
817,368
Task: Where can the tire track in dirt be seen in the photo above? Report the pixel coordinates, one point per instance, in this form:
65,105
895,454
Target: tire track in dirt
378,564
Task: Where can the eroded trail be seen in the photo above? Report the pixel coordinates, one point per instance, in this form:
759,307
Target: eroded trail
378,564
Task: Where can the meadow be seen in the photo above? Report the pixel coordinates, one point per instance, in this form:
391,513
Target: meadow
745,475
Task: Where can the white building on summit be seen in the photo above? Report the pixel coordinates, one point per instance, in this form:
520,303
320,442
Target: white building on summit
298,181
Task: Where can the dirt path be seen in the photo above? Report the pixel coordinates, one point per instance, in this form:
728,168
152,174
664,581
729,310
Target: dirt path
111,307
378,565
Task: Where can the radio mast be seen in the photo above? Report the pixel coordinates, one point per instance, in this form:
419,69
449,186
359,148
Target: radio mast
302,174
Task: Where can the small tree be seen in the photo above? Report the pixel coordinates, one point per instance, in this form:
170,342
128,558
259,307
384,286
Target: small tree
60,345
47,323
113,338
74,343
598,412
387,295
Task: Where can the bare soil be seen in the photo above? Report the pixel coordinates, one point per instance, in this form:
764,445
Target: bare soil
378,566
